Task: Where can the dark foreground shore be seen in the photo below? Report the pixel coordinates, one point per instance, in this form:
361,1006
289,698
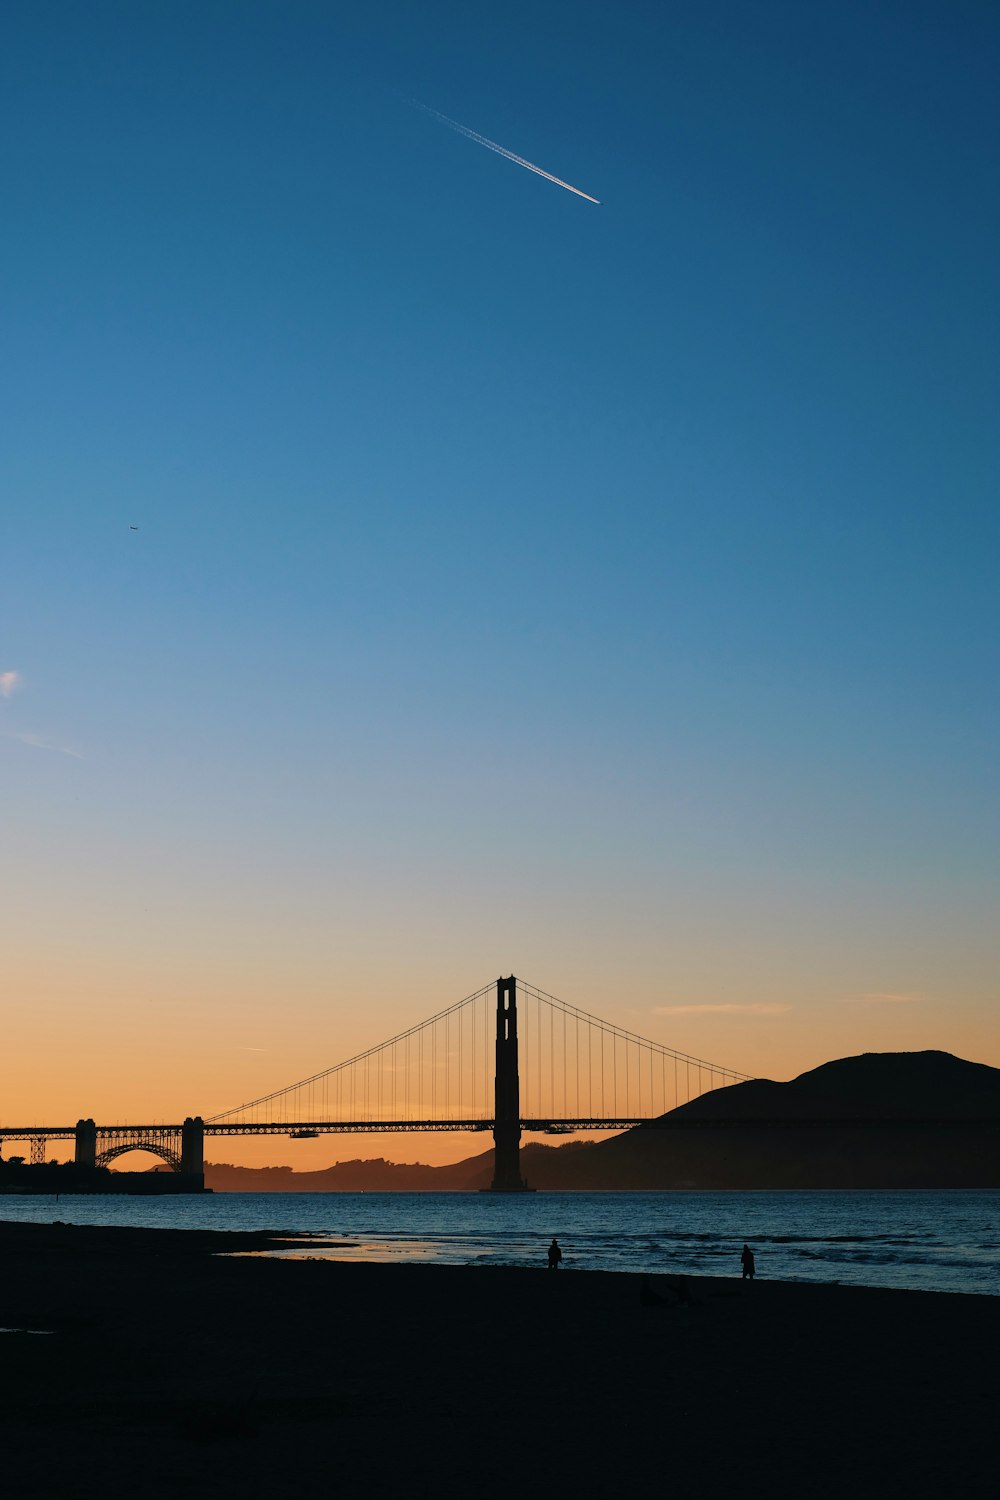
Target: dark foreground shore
170,1371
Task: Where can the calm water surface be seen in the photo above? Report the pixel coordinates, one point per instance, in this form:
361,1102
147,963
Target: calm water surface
936,1241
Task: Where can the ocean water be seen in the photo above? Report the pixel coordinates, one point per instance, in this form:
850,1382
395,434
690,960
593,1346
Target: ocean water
933,1241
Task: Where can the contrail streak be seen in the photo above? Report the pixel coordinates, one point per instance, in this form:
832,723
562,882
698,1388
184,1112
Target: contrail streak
484,140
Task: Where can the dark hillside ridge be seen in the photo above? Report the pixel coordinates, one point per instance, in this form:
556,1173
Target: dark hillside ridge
369,1176
881,1120
375,1175
872,1086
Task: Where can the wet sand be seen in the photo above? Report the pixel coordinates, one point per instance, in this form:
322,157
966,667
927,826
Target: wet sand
171,1370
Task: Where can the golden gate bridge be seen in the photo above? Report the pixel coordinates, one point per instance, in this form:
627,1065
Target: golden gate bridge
481,1064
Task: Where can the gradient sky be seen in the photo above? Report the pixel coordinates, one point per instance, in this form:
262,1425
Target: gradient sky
603,594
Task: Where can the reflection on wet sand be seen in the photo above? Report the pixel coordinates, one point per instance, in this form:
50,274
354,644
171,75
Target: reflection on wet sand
383,1250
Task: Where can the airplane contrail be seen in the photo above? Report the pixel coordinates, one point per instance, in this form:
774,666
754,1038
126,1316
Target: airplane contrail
484,140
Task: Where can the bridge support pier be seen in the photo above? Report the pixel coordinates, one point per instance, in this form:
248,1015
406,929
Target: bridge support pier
193,1147
85,1154
507,1099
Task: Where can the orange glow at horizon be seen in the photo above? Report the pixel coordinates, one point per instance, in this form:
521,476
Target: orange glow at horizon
87,1047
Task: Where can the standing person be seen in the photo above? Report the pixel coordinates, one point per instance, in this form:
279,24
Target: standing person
748,1263
555,1255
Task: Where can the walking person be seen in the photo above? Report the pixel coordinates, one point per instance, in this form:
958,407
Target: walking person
748,1263
555,1255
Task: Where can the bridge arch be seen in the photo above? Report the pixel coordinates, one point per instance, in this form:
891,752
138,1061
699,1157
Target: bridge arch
156,1148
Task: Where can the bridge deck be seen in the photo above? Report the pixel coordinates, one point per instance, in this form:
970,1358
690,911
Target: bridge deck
548,1126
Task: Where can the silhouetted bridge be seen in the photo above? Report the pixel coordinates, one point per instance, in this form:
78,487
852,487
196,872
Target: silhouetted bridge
566,1071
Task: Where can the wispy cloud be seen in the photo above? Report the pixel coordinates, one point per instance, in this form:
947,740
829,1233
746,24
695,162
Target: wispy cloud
885,997
9,683
251,1049
732,1008
40,742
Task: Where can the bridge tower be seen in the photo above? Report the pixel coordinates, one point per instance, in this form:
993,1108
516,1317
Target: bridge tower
507,1099
193,1147
85,1154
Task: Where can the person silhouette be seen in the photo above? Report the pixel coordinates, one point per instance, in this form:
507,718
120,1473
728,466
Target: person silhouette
555,1255
748,1263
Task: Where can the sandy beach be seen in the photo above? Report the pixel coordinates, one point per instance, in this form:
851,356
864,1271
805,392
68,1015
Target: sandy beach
168,1369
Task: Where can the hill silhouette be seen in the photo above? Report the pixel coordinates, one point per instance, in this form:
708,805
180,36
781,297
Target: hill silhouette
872,1086
376,1175
879,1120
359,1176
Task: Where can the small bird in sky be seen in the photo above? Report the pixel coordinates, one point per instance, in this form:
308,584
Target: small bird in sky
133,528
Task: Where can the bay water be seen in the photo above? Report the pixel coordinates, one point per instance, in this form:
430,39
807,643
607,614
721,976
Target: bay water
932,1241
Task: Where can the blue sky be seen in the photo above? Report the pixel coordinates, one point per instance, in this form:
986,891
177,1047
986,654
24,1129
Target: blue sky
614,586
